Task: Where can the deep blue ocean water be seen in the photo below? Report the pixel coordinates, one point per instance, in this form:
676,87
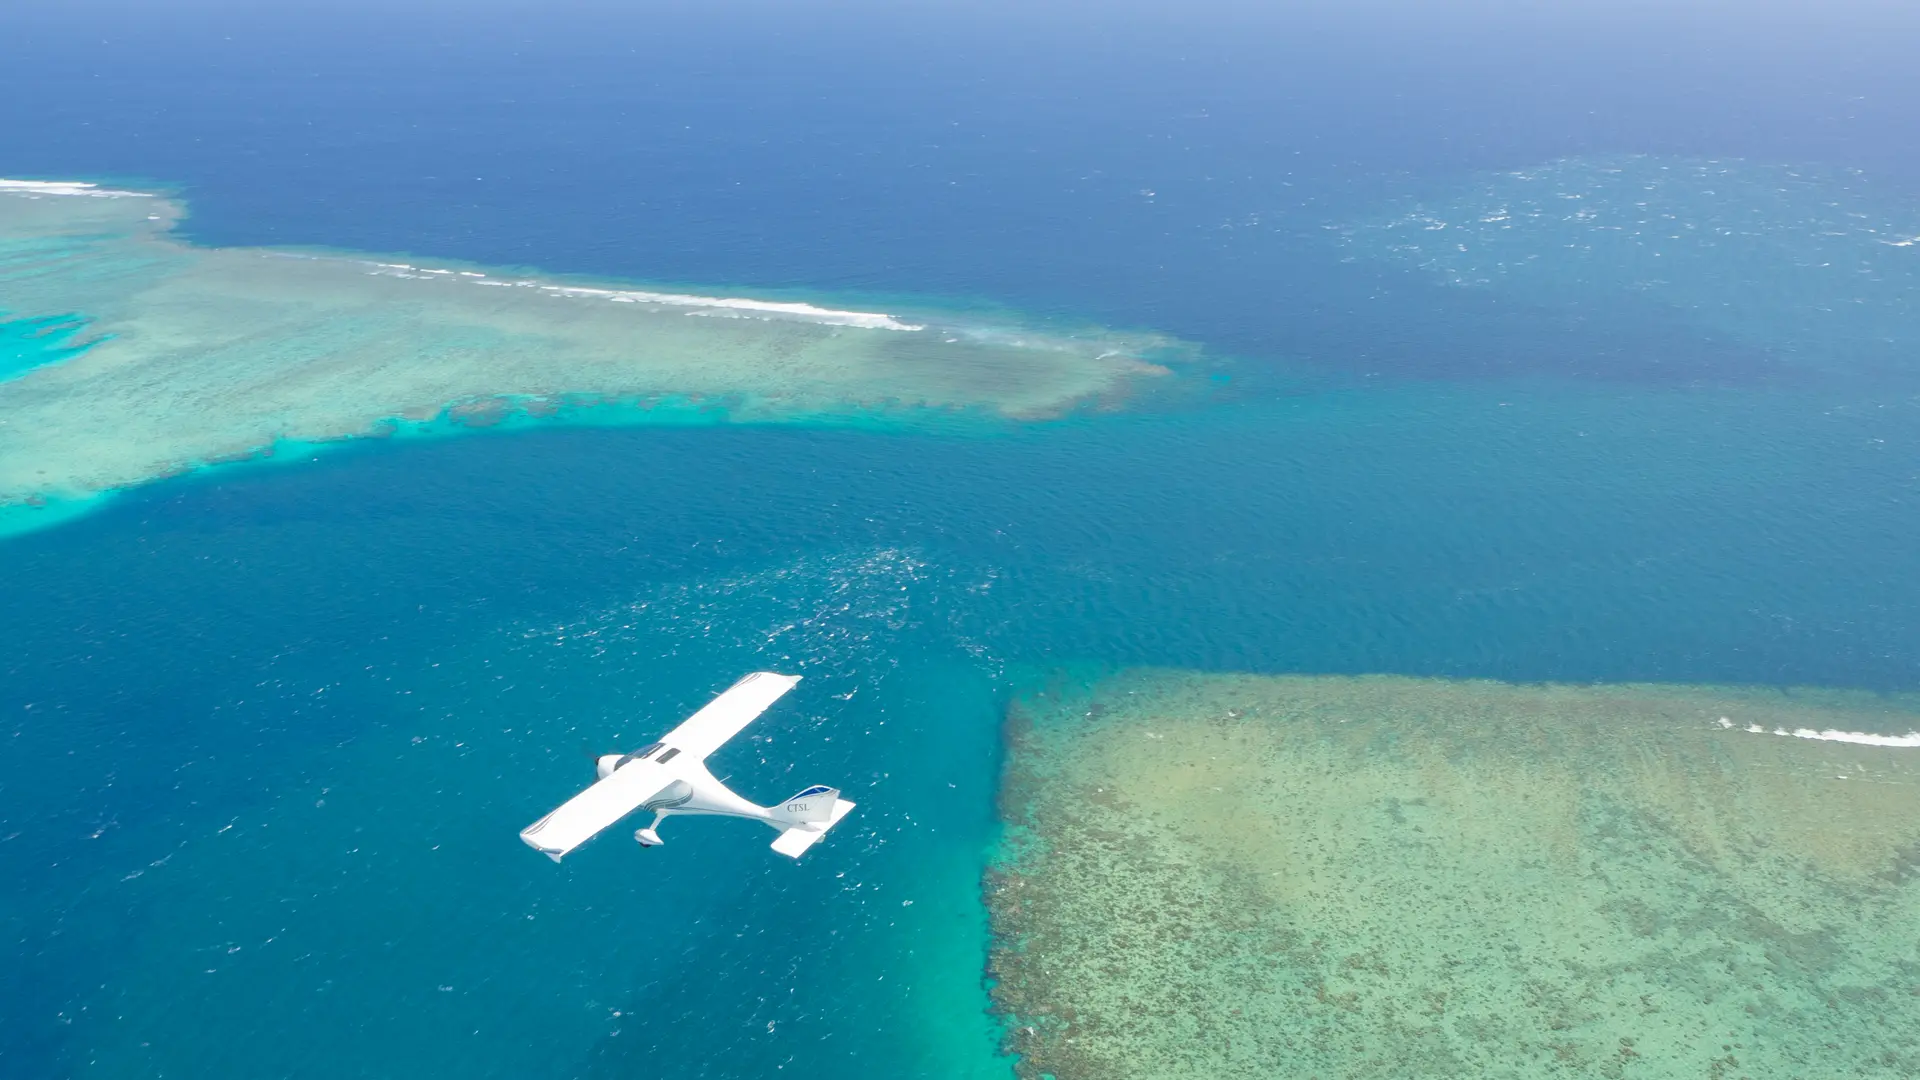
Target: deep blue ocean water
269,730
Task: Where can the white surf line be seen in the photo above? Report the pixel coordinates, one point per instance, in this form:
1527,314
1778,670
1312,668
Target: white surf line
866,320
870,320
68,187
1911,740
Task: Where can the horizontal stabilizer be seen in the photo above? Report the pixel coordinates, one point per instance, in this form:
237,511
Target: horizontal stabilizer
793,842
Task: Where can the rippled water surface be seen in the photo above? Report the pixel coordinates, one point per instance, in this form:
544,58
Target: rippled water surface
267,731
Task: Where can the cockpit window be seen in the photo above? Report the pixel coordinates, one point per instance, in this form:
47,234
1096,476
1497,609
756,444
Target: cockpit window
638,755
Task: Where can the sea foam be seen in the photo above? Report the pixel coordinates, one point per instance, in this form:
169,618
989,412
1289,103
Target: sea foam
1911,740
1804,266
697,304
67,187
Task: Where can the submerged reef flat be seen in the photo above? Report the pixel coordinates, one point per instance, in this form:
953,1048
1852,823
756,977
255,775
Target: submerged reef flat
1816,266
196,355
1253,876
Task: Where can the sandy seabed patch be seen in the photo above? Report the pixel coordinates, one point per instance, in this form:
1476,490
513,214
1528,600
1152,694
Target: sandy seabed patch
1251,876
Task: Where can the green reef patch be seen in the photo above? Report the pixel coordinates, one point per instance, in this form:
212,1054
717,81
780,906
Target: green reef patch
1212,875
195,355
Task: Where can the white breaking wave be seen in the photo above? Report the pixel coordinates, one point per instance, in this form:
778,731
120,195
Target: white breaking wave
737,306
1910,740
68,187
870,320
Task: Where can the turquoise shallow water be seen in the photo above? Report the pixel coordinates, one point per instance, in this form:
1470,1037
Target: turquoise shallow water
248,707
27,343
355,900
267,732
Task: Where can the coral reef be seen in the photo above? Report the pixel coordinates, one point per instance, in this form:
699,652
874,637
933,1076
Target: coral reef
1252,876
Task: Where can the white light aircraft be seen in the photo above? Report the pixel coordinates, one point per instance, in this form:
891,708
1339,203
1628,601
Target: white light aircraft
670,777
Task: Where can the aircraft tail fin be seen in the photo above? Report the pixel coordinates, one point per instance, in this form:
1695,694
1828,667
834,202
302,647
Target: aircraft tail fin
810,807
812,812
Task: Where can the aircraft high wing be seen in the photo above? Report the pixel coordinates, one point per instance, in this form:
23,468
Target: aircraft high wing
670,777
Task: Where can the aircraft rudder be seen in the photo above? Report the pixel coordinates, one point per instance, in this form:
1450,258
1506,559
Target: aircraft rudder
811,806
